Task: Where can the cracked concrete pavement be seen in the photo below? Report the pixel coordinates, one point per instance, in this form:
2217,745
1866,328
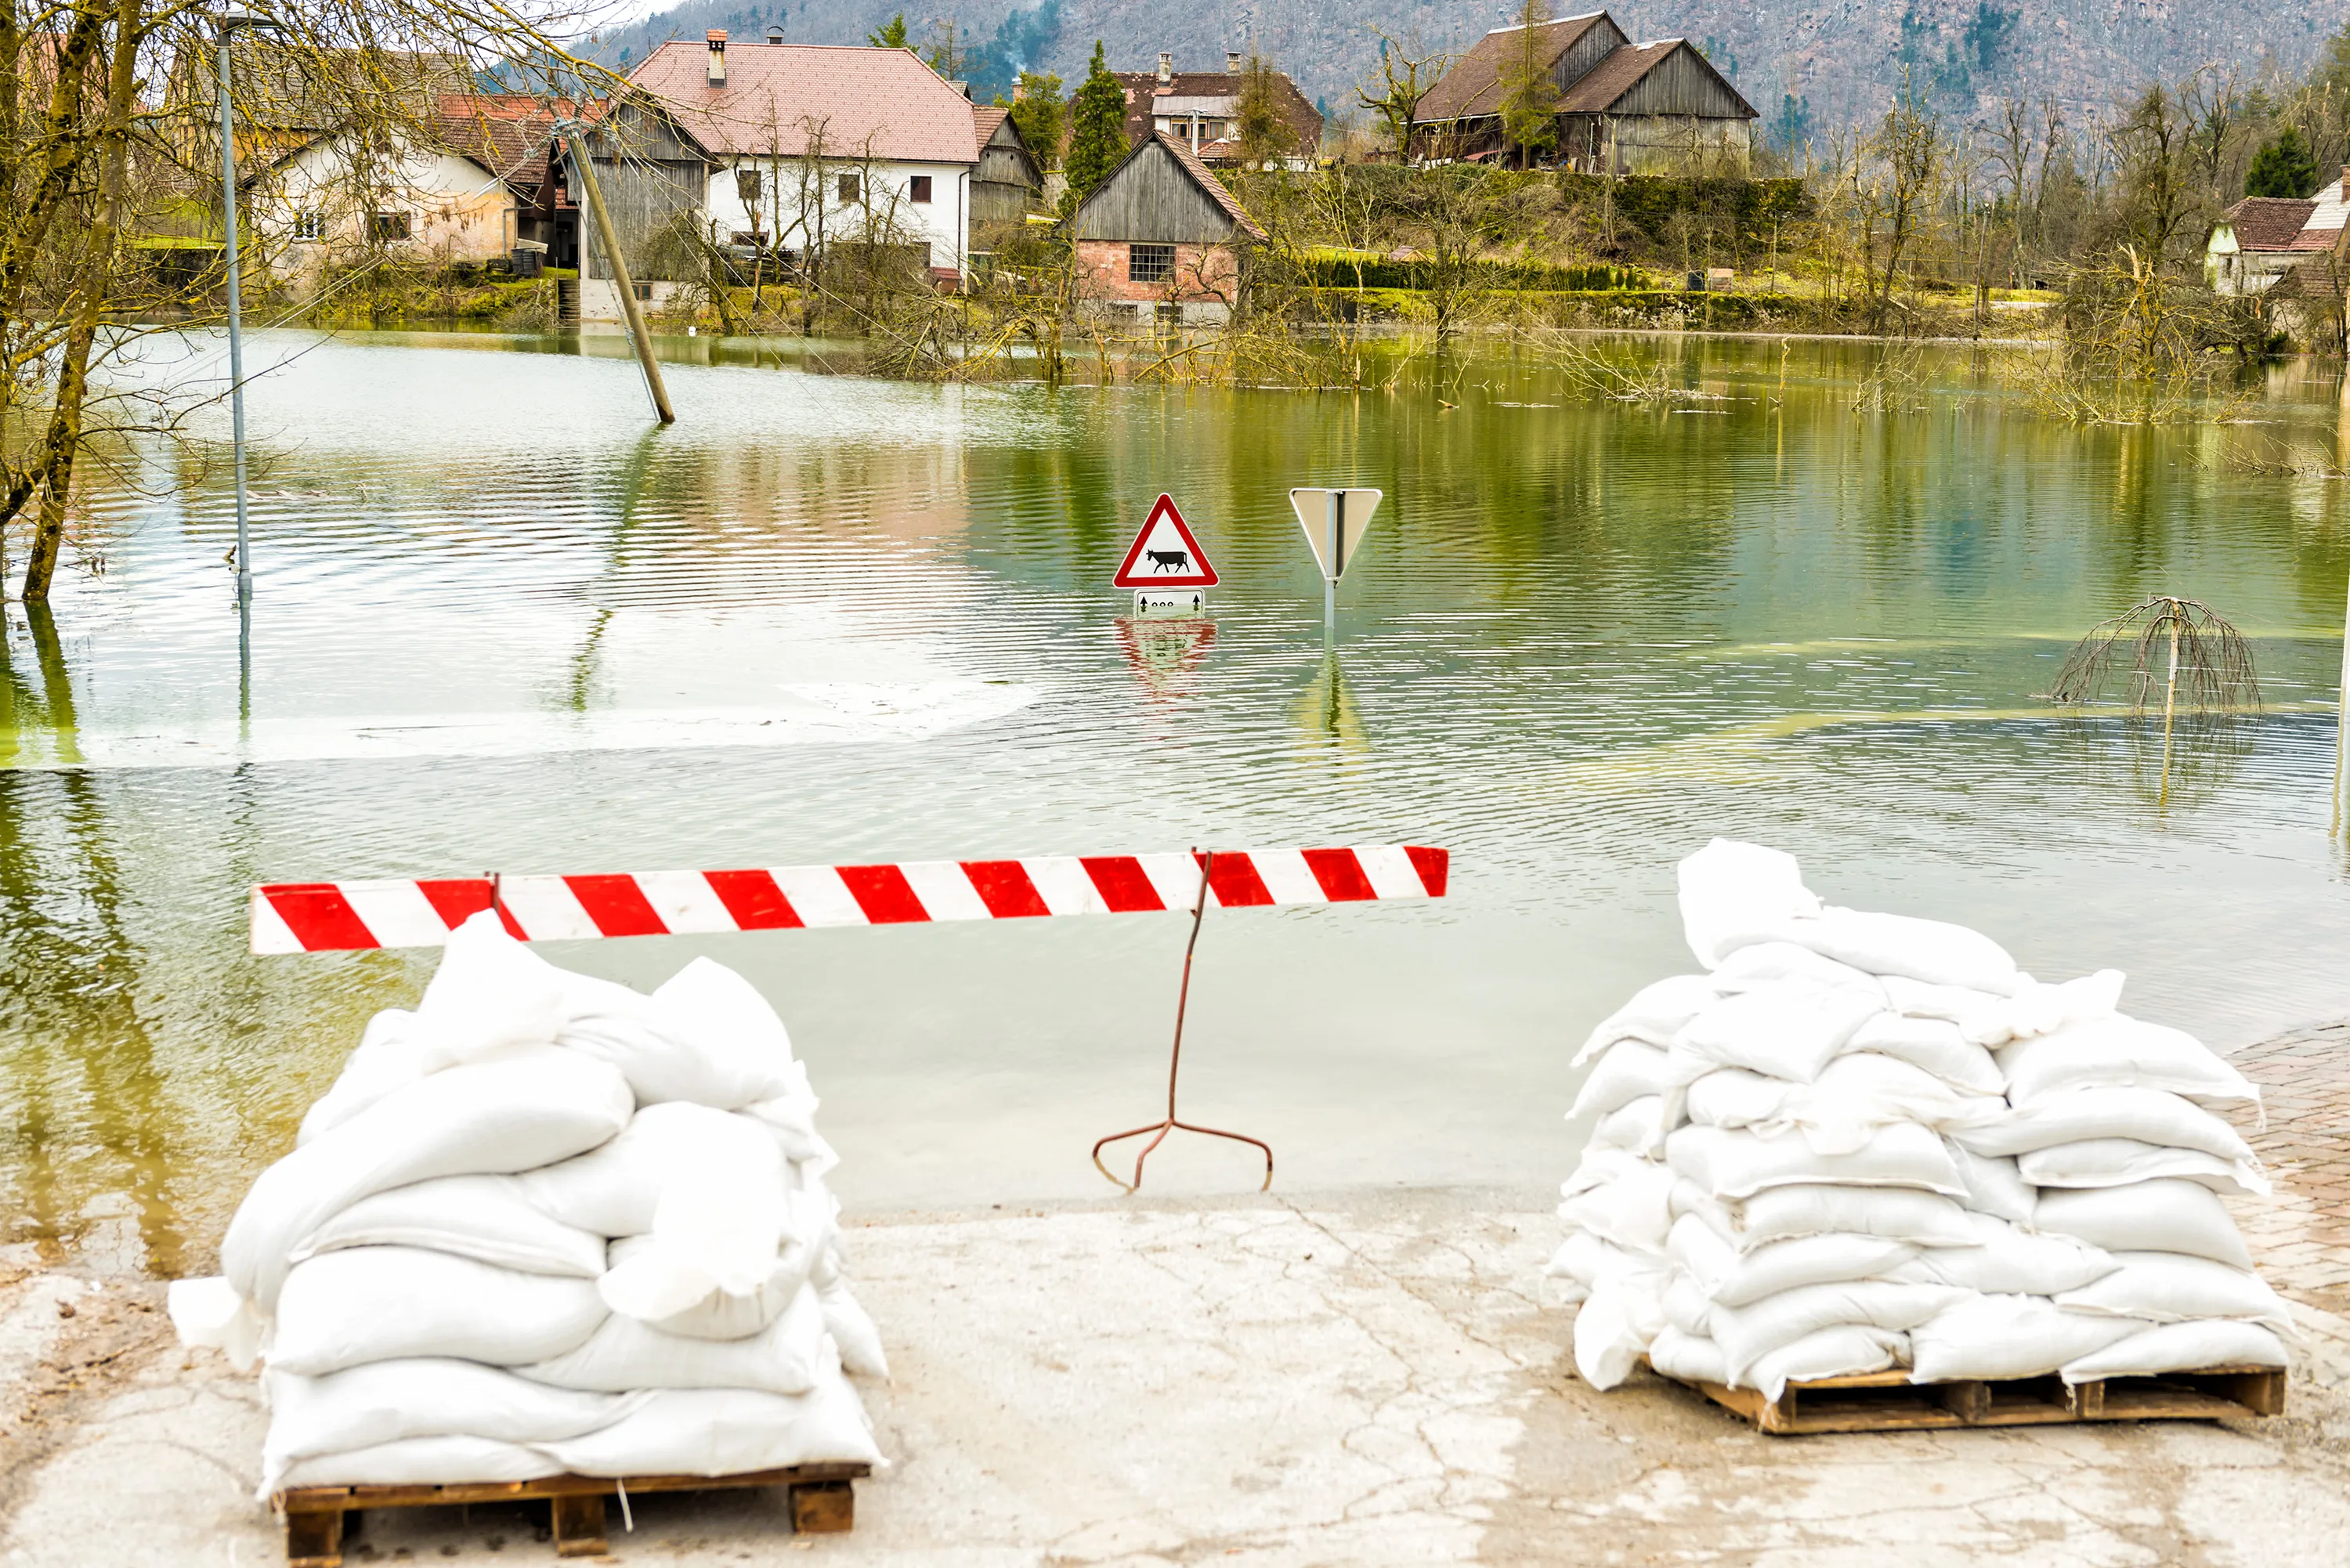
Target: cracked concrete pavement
1362,1378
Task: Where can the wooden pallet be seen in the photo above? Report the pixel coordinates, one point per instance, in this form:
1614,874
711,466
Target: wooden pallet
1890,1402
319,1518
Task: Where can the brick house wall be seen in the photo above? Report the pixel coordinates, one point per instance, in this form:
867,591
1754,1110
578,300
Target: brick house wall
1200,274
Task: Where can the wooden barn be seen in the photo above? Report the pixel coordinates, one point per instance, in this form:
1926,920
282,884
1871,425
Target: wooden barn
1162,236
1009,182
652,172
1621,107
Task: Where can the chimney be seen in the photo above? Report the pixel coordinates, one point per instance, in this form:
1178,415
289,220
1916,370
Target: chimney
1166,70
775,34
1231,62
717,56
1019,92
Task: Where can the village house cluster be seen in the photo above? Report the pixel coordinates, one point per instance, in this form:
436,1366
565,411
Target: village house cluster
762,149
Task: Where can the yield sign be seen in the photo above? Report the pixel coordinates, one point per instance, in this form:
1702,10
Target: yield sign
1164,554
1334,522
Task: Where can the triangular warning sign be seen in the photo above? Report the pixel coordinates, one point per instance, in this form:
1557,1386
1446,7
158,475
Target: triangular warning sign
1164,554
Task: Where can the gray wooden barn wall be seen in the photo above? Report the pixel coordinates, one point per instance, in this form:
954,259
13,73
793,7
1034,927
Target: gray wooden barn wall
1603,39
1154,201
1681,83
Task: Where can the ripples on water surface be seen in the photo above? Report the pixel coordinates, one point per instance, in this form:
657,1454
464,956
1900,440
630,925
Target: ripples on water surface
499,625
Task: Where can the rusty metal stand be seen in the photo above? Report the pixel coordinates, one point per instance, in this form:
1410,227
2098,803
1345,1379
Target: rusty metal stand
1175,1064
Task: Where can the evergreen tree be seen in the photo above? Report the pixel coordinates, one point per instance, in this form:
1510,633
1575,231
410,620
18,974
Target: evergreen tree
893,34
1529,98
1041,113
2284,166
1098,131
1259,126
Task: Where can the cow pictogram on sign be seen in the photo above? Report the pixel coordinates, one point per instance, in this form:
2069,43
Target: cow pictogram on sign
1165,554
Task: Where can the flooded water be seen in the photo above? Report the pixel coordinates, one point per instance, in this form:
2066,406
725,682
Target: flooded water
500,624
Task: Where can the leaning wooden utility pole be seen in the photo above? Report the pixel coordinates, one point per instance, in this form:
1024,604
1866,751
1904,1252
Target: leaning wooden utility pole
573,137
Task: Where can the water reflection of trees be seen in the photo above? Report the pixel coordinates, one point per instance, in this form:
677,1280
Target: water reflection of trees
82,1085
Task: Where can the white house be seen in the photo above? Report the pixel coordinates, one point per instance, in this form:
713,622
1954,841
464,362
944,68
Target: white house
463,190
2261,239
814,145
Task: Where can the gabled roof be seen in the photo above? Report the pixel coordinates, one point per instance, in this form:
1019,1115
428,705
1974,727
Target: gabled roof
506,133
1471,89
1213,93
2267,223
1199,173
861,102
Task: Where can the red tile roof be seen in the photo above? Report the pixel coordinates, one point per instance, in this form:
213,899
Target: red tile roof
506,133
877,103
2268,223
1304,121
1471,89
984,121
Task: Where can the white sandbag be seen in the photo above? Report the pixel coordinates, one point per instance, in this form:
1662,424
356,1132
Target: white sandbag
2008,1336
424,1461
1724,1274
1685,1304
1735,895
484,1218
2075,1115
522,1109
1688,1357
615,1189
2044,1009
706,1036
1631,1210
383,1303
785,1358
1639,1125
489,993
1784,1213
1630,1070
667,1300
727,1431
2121,1052
2161,1216
386,1401
1995,1186
1751,968
1732,1164
1841,1110
1932,1047
1981,1017
2181,1347
2008,1261
1844,1350
1748,1333
1616,1325
1790,1030
209,1314
851,1328
392,1053
2170,1287
1655,1014
1935,951
2115,1161
1584,1260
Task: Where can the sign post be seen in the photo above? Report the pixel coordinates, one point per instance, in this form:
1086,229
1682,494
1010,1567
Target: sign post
1165,566
1334,522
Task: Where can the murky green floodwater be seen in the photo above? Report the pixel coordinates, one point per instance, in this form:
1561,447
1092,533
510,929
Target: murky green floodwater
501,626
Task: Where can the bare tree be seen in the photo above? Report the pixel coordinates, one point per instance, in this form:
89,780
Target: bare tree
1406,71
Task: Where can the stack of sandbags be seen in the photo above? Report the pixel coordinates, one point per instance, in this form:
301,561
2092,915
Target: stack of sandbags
547,1224
1863,1141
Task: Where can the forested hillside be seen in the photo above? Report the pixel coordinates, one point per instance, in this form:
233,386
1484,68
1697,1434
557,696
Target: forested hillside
1810,69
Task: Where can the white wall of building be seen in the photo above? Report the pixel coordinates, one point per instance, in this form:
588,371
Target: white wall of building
792,221
318,205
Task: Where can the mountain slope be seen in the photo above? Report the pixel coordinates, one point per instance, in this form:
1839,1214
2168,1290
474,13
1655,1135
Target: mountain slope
1809,68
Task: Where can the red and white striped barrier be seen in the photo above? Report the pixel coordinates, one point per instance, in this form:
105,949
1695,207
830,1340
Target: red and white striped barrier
320,917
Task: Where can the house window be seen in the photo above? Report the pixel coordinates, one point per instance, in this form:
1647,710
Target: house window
309,226
1150,263
643,291
385,227
848,187
746,185
918,189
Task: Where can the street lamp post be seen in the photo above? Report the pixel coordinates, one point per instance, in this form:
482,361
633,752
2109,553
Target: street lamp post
227,23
